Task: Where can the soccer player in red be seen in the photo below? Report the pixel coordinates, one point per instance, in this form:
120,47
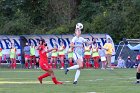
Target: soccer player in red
43,62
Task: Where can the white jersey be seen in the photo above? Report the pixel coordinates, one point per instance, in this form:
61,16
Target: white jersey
78,49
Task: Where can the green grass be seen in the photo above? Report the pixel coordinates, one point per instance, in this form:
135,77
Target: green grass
99,81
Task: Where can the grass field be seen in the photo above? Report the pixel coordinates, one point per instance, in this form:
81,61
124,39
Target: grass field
90,81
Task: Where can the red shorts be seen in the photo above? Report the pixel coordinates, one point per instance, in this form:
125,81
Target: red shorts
54,56
27,56
32,56
97,57
87,56
61,56
45,66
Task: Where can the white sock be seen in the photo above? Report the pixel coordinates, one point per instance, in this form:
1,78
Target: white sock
73,67
77,75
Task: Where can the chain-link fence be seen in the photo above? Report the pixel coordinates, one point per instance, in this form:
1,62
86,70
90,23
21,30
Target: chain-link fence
124,52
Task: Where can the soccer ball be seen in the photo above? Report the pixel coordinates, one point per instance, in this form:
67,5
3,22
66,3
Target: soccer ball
79,26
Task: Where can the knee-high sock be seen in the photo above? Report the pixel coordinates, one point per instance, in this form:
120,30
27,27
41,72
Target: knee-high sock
71,64
31,63
44,75
62,64
73,67
26,64
87,64
137,76
55,81
77,75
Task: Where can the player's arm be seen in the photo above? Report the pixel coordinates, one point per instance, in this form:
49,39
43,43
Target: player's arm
105,47
87,42
49,50
61,49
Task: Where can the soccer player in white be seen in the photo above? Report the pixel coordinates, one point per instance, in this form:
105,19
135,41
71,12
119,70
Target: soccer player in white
77,43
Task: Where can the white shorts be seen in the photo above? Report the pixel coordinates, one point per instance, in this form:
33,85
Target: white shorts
77,56
103,58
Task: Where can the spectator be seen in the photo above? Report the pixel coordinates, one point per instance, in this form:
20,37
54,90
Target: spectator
27,55
129,62
102,57
121,63
109,50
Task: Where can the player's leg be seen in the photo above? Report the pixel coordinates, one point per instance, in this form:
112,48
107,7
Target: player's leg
14,64
77,74
34,60
50,71
77,66
31,61
108,58
45,68
26,61
87,63
55,62
51,61
138,75
62,61
70,62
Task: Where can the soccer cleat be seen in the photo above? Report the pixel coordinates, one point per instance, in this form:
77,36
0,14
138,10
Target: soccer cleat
58,83
61,68
137,82
40,80
66,71
75,82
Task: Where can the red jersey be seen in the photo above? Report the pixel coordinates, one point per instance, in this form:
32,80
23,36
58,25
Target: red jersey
0,49
43,56
138,57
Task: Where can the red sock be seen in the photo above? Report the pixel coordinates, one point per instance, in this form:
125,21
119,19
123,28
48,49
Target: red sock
11,65
14,65
55,65
95,65
55,81
51,64
26,65
44,75
87,65
31,63
71,64
62,64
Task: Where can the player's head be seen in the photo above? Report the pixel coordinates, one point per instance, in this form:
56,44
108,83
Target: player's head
61,43
100,47
32,44
26,43
128,57
42,41
77,32
109,40
12,45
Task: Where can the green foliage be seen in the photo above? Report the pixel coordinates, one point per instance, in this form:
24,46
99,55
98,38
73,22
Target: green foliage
118,18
